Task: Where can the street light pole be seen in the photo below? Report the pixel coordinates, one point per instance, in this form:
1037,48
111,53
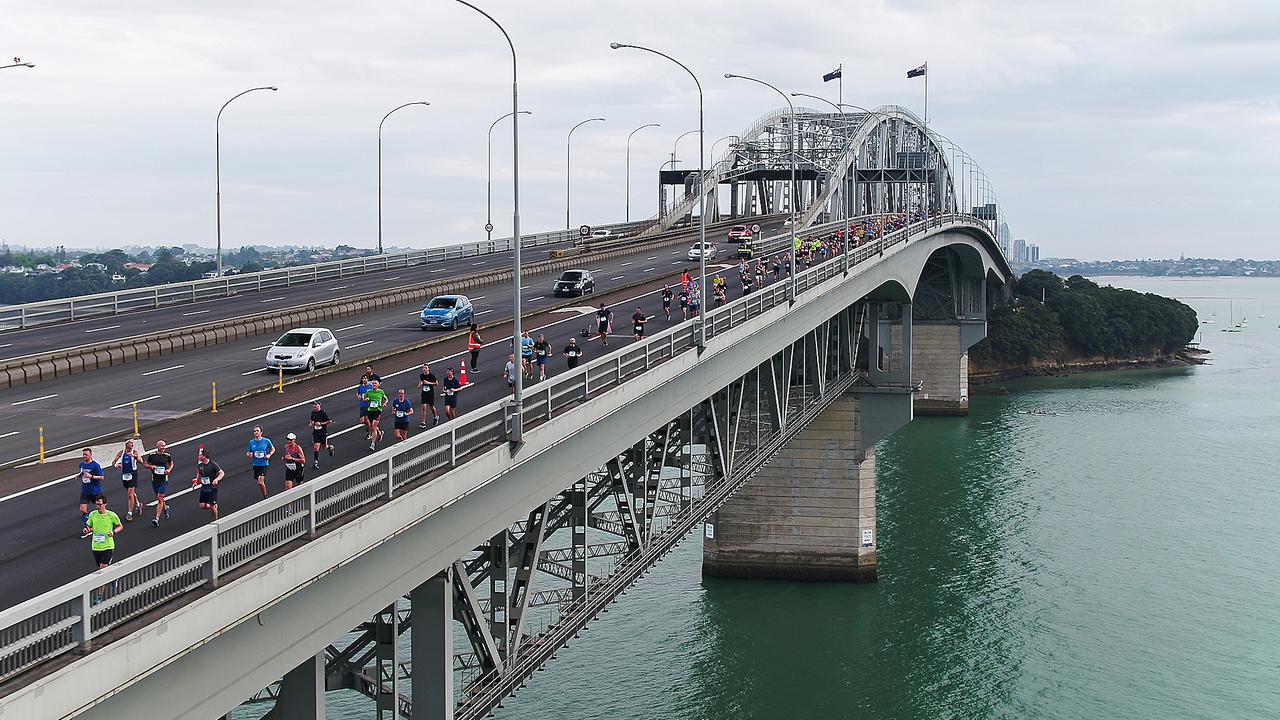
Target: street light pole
384,119
702,195
848,221
794,190
567,140
488,213
217,166
628,181
517,427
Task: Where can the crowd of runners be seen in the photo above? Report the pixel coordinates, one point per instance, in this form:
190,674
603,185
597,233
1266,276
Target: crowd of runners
374,404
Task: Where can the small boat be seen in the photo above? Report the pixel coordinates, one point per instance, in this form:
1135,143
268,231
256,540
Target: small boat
1231,326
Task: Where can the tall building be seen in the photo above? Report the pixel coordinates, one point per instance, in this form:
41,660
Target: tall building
1002,238
1033,253
1020,250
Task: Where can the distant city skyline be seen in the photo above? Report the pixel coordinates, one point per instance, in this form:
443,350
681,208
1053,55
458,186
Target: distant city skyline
1102,163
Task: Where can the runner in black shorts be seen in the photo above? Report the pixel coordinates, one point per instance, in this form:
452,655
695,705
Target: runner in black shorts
208,475
320,422
427,383
451,388
638,320
160,463
295,462
666,301
403,410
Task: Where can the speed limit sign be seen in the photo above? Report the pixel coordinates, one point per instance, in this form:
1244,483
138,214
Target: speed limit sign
488,227
585,231
755,228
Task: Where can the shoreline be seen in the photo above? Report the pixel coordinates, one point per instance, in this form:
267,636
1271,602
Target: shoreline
1187,357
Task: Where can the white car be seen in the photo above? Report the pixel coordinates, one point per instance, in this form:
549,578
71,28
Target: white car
601,234
700,249
303,349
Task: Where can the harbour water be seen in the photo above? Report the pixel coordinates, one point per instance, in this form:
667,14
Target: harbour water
1117,557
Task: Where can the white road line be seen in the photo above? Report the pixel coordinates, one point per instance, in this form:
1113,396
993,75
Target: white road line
361,344
264,347
349,327
540,297
31,400
134,402
439,270
397,277
6,345
157,372
478,297
618,277
274,299
259,419
654,257
485,311
194,312
100,329
251,372
624,264
477,263
344,432
10,434
677,263
650,269
340,287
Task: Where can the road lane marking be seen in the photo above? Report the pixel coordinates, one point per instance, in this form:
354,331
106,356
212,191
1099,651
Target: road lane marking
157,372
264,347
258,370
397,277
274,299
477,263
540,297
6,345
134,402
478,297
361,344
340,287
617,278
654,257
349,327
624,264
439,270
649,269
31,400
194,312
100,329
10,434
485,311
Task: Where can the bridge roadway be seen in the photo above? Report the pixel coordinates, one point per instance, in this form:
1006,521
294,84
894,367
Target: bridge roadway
75,409
38,516
64,336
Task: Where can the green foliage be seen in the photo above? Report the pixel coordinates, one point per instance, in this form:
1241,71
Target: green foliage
1080,318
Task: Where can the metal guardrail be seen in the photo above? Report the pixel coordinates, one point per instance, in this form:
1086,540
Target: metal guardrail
45,312
69,617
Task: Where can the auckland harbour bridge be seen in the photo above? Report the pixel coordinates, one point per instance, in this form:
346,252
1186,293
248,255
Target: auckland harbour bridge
438,575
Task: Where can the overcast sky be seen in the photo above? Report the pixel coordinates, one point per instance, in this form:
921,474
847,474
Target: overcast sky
1110,128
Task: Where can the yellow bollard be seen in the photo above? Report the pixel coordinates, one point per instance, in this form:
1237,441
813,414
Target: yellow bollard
41,444
135,420
280,388
215,396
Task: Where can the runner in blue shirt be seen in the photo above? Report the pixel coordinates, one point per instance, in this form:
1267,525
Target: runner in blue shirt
259,452
129,460
361,389
404,412
90,483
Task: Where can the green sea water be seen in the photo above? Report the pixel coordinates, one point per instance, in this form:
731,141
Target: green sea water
1117,558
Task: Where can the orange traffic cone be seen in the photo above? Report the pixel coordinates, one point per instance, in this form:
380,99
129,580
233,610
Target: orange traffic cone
462,377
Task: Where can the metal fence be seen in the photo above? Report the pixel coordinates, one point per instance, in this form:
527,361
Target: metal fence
45,312
71,616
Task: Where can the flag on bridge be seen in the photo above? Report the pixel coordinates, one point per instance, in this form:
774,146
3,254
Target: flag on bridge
917,72
833,74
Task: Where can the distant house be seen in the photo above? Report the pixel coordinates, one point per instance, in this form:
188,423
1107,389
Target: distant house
140,267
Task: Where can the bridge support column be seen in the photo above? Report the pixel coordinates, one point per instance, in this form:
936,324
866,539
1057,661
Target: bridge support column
941,360
302,692
431,648
810,514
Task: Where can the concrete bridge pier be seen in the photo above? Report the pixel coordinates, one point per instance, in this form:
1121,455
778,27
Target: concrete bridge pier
301,692
431,648
941,361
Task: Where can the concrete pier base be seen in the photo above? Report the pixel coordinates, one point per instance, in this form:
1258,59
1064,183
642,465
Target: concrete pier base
809,515
941,360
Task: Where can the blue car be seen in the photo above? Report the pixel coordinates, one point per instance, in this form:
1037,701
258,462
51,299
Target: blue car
446,311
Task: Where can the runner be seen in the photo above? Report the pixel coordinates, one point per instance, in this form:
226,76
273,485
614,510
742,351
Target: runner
604,324
666,301
510,373
361,389
208,475
102,526
427,383
320,422
160,463
295,462
128,460
260,451
542,351
573,352
451,388
90,483
637,323
474,343
404,412
526,354
695,304
368,370
721,297
777,267
376,398
684,302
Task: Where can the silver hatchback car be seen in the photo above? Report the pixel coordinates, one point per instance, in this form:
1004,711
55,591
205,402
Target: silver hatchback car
303,349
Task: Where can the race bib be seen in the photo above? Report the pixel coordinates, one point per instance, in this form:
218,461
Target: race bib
291,466
86,477
160,470
399,413
259,454
206,481
99,538
126,476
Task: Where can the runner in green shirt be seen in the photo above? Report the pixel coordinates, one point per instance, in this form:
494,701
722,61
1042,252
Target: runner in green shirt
103,526
377,398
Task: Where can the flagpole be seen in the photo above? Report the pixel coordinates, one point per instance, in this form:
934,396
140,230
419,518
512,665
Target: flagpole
926,93
840,91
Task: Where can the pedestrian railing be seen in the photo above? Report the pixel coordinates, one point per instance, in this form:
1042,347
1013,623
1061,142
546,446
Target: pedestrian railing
45,312
70,617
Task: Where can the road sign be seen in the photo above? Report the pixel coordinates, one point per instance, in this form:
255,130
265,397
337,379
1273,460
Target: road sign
585,231
488,227
755,228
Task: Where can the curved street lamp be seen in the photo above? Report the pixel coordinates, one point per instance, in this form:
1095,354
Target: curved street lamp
791,241
702,195
217,165
384,119
566,166
517,428
18,64
488,223
628,181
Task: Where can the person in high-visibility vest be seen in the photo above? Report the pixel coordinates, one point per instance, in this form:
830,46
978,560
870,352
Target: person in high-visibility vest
474,343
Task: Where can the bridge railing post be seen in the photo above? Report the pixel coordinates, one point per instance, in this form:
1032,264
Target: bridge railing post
311,513
213,557
84,631
391,477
